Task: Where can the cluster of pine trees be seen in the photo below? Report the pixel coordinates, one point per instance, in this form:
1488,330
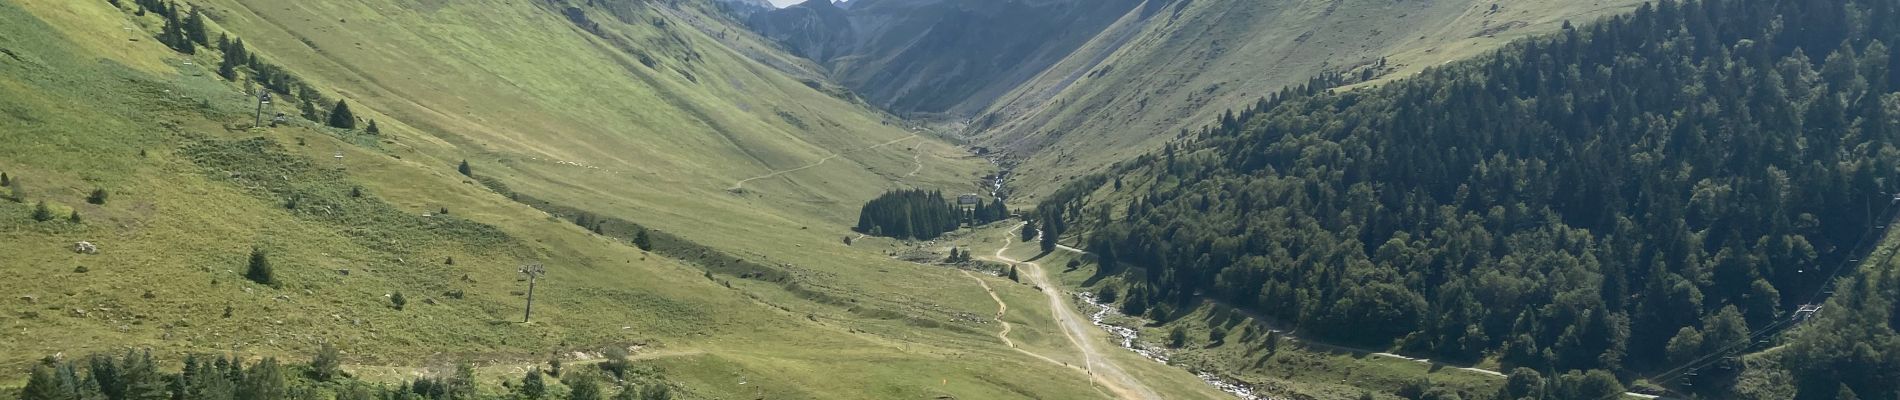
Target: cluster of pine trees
1622,196
921,215
136,376
182,32
185,32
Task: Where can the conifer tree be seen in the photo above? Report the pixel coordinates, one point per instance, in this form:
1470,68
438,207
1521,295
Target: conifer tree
41,213
1048,233
195,27
373,129
41,384
141,379
227,68
341,117
266,380
643,240
309,110
464,169
532,386
173,35
259,268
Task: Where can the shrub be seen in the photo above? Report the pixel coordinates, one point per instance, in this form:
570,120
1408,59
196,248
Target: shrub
327,363
582,387
617,363
98,196
657,391
397,300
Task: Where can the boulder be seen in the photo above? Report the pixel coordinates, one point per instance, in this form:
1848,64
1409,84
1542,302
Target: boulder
85,248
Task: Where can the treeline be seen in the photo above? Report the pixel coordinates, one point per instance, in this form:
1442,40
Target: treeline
922,215
136,376
1621,196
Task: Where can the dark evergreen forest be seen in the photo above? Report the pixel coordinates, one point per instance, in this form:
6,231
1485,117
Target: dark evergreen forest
921,215
1626,195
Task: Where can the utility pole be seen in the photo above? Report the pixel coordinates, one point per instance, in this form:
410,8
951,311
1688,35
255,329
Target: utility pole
263,97
534,271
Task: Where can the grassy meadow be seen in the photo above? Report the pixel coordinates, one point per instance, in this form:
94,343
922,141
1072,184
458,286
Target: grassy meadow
91,101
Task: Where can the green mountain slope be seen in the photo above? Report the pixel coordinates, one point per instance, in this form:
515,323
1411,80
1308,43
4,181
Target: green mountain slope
1173,65
607,113
1648,198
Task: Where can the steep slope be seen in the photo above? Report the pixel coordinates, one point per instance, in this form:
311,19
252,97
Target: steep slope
619,112
1646,198
930,57
1170,66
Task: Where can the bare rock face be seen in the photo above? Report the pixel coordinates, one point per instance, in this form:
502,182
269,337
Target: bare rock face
85,248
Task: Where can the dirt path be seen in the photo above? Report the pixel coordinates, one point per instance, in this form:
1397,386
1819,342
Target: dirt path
919,159
736,186
1101,369
1002,308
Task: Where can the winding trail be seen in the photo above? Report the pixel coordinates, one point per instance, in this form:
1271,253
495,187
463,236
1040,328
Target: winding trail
1100,368
918,158
1001,308
740,185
